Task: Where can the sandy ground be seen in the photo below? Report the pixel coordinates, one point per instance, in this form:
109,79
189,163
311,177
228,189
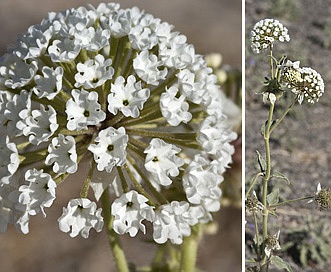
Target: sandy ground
212,26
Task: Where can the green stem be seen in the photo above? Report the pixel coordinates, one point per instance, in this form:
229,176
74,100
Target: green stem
189,250
113,237
284,114
257,235
87,181
290,201
266,178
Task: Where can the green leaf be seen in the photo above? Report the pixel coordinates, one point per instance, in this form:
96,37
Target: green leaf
261,161
273,197
280,263
303,256
279,175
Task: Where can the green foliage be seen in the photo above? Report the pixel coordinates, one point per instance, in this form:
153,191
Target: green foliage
310,243
280,263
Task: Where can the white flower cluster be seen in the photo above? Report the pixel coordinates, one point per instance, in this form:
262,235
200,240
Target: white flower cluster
304,81
265,33
115,87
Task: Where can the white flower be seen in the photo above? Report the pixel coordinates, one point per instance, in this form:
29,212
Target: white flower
91,39
5,97
9,160
84,110
50,84
161,160
215,136
15,72
62,153
63,50
80,216
146,66
172,222
129,98
201,184
17,110
39,193
111,148
129,210
175,52
35,41
174,109
40,125
94,72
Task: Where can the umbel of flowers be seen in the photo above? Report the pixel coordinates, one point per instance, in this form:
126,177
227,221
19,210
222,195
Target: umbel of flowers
119,91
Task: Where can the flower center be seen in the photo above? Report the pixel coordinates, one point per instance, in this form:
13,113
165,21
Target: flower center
125,102
86,113
155,159
110,148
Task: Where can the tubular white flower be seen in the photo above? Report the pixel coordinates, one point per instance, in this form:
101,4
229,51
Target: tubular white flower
111,148
91,39
94,72
80,216
128,98
63,50
161,160
129,210
40,126
174,109
201,184
17,110
84,110
9,160
50,84
172,222
146,66
62,153
39,193
15,72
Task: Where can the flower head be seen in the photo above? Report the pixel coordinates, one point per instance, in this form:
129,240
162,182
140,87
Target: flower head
323,198
305,82
272,243
121,91
265,33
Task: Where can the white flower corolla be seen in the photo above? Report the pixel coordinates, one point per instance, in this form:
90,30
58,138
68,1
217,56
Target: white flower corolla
9,160
174,109
34,42
175,52
146,66
17,110
63,50
91,39
50,83
62,153
15,72
188,86
129,210
143,34
127,97
94,72
40,125
201,184
265,33
39,193
110,149
161,160
80,216
83,110
172,222
215,136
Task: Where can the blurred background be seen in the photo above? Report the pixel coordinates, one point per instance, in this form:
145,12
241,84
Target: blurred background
212,26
